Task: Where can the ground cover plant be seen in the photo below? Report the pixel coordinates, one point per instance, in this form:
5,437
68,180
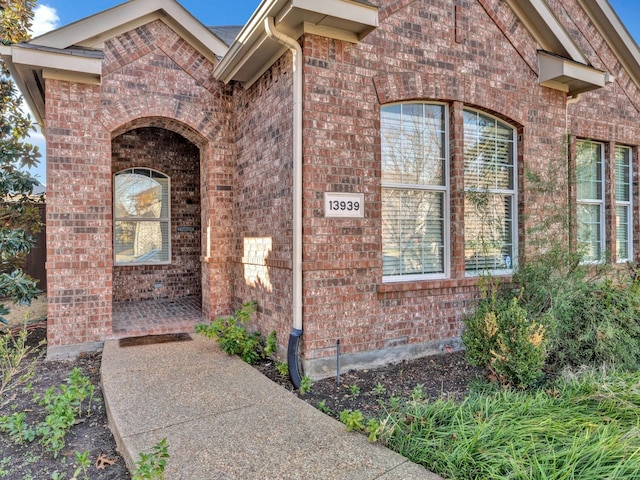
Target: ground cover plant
53,424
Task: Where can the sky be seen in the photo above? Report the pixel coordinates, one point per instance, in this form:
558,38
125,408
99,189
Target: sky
51,14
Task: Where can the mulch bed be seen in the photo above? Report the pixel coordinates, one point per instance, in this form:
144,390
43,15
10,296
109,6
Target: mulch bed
447,375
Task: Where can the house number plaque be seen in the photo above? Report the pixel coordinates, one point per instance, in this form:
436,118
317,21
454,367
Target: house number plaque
344,205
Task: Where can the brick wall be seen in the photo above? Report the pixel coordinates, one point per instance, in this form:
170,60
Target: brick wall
78,217
465,54
179,159
262,208
151,78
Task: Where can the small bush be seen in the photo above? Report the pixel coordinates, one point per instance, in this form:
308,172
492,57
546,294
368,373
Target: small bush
500,336
233,336
604,327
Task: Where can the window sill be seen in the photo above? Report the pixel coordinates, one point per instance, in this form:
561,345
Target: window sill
449,283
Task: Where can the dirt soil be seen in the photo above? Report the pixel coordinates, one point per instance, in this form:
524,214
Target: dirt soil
440,376
445,375
91,433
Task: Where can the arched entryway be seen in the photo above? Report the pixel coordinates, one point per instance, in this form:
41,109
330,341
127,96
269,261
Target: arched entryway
157,286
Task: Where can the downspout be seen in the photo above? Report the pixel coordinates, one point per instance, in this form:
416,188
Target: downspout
296,332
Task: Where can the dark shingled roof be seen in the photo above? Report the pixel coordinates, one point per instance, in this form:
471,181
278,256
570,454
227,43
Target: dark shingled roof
226,33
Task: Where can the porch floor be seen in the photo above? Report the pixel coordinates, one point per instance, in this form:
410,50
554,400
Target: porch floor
154,317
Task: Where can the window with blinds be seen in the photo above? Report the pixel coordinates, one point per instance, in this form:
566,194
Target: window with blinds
414,191
624,221
590,200
490,194
141,217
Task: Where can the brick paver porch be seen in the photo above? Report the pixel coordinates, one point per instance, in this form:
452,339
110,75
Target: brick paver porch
154,317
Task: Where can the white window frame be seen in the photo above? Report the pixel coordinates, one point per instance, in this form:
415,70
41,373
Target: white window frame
600,203
443,189
626,204
513,193
162,220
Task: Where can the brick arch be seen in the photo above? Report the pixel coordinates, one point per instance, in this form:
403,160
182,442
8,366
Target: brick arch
190,120
407,86
165,123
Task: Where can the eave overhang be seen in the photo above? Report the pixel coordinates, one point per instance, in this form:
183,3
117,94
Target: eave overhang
616,35
253,52
569,76
74,52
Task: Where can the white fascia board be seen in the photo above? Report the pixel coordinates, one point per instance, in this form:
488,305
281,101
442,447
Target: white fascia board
546,28
35,58
346,10
32,96
248,41
252,44
615,34
91,31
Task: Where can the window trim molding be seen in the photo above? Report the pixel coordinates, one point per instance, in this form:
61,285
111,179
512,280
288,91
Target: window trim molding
515,237
445,189
166,219
590,201
628,204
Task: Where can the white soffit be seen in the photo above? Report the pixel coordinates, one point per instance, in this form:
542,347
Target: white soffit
568,76
74,52
253,52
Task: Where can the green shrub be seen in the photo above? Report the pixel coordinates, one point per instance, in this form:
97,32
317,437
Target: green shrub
604,327
500,336
233,336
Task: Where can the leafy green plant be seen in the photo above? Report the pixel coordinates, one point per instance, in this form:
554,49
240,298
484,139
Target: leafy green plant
305,385
500,336
354,390
17,361
233,335
83,461
282,368
373,428
353,420
271,347
322,406
151,466
379,389
15,426
64,406
417,394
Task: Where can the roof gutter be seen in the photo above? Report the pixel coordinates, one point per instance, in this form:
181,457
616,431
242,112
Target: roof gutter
293,357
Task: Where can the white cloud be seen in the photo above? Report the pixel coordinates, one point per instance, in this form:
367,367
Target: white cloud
45,19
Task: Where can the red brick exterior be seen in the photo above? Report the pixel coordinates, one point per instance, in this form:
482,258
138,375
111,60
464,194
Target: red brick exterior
151,78
179,159
463,53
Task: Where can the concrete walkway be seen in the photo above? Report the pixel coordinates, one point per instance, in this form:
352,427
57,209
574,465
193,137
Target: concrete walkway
224,420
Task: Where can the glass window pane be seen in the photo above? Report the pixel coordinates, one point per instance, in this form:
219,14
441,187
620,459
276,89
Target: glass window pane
413,226
589,231
622,172
489,231
622,233
141,242
589,171
141,211
413,144
489,178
